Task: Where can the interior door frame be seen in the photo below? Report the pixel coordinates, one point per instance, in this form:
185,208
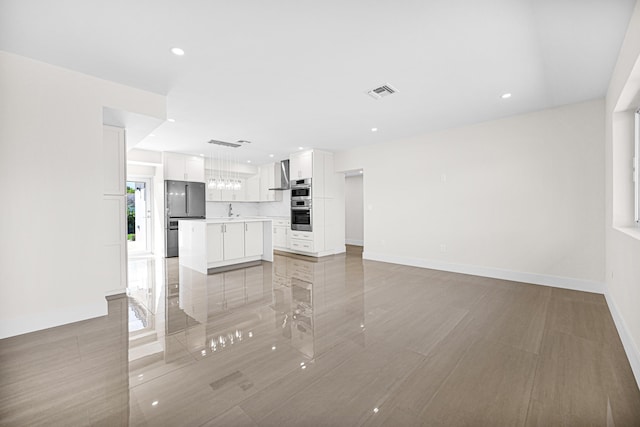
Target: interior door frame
148,181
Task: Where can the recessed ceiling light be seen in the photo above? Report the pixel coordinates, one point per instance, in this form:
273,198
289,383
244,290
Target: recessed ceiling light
506,95
270,155
374,129
248,161
300,148
201,155
152,135
171,120
177,51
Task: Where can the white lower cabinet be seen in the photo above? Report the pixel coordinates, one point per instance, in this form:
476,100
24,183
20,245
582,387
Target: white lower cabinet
281,230
253,238
210,244
302,241
215,242
302,245
225,241
233,240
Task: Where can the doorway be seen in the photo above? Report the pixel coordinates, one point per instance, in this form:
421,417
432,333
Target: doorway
139,225
354,209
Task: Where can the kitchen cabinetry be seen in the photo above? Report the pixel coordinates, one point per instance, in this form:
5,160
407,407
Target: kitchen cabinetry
255,184
114,202
252,188
253,238
270,178
212,243
182,167
225,241
234,195
281,230
301,165
302,241
327,204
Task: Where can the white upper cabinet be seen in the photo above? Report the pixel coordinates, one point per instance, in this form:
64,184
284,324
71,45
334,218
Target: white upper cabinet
182,167
270,178
252,188
312,164
301,165
194,168
254,184
113,153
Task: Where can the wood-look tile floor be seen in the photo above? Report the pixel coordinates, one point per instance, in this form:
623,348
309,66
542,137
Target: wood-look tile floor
331,342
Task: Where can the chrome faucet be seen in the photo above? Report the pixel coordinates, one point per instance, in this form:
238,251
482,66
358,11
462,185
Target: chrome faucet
230,210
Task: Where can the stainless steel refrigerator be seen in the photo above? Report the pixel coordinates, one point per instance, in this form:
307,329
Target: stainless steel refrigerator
182,200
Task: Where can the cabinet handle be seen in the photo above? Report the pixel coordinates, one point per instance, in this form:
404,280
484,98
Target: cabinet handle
222,228
246,227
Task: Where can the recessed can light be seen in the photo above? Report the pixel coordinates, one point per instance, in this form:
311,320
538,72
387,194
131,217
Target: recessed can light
506,96
300,148
177,51
248,161
152,135
171,120
271,155
374,129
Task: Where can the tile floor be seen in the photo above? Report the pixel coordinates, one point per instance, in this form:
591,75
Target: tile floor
331,342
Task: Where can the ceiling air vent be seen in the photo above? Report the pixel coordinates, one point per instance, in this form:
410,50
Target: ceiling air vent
382,91
237,144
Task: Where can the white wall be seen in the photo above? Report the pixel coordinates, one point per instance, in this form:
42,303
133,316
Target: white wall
354,215
518,198
622,238
51,167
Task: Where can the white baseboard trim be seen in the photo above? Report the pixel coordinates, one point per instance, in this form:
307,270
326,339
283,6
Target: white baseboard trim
354,242
630,347
51,319
496,273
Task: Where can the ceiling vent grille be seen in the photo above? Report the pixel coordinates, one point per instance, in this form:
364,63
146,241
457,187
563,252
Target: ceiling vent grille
237,144
382,91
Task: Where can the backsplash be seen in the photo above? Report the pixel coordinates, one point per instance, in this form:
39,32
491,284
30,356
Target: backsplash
281,209
271,209
218,209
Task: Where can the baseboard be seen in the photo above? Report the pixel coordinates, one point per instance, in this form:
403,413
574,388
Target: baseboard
354,242
516,276
51,319
630,347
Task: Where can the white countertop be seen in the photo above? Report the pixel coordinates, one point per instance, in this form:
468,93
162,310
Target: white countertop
223,220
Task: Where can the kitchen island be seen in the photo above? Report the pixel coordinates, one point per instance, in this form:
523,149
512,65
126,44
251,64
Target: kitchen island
218,244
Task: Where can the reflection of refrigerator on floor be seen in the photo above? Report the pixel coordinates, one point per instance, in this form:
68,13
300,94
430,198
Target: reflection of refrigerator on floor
302,316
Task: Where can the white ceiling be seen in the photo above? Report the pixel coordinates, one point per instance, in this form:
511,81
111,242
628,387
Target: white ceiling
295,73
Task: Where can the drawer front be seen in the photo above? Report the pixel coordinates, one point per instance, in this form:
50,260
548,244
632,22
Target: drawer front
302,235
281,223
302,245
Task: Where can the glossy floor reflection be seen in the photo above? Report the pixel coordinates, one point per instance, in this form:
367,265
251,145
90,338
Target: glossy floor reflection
330,342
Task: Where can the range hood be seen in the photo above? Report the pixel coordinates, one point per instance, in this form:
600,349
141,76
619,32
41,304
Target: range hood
284,177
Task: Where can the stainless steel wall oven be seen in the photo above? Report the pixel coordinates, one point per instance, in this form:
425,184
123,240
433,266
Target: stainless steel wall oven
301,207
